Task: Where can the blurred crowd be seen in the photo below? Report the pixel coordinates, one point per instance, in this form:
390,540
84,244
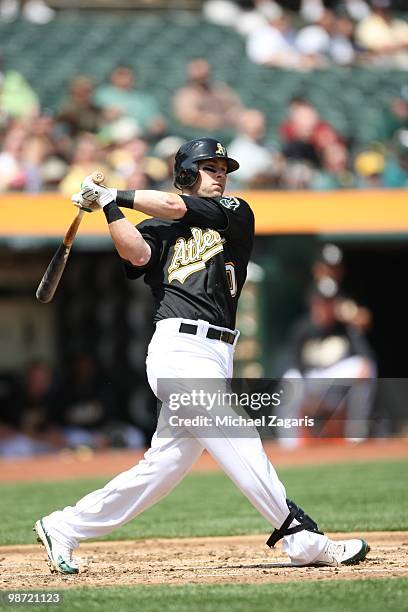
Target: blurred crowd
121,129
41,412
321,33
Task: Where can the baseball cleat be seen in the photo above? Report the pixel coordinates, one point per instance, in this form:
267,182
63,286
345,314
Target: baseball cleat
344,552
60,556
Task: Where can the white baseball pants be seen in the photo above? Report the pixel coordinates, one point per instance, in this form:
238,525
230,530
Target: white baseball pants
175,355
359,398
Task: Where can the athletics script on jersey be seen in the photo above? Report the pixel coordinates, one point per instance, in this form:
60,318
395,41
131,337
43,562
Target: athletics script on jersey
191,255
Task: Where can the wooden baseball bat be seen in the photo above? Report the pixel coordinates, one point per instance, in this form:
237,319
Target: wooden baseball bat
53,273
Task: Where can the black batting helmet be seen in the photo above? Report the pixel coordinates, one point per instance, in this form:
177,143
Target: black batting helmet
185,163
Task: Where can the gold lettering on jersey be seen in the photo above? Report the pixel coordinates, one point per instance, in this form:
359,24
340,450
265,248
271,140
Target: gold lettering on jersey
220,150
190,255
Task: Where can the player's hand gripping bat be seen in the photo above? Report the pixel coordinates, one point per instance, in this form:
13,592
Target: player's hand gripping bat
53,273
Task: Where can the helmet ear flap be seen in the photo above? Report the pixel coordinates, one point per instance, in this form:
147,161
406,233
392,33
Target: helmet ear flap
186,174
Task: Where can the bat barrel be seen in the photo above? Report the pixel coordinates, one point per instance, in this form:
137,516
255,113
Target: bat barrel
53,273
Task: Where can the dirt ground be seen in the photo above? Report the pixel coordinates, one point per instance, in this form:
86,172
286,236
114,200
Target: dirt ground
243,559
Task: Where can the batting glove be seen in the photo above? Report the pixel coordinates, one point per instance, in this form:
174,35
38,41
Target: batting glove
93,193
85,205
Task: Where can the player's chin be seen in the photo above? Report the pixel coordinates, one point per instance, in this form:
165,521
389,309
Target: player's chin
217,191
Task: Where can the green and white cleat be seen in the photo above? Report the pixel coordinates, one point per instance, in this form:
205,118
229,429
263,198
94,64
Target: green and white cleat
343,552
59,555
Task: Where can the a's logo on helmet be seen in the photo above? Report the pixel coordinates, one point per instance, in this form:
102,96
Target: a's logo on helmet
221,150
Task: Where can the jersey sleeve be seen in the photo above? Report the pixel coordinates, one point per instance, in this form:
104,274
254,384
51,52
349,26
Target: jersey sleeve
228,215
153,239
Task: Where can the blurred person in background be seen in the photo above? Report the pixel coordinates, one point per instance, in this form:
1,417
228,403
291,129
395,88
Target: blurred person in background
54,153
312,10
127,151
36,11
327,41
273,44
395,116
121,97
384,36
87,156
77,112
245,16
328,272
396,168
13,176
131,159
87,413
335,171
369,166
356,9
297,174
166,150
37,151
203,103
18,99
260,164
229,13
32,155
304,134
30,415
325,346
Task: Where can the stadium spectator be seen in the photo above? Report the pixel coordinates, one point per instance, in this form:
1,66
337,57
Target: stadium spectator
259,164
304,134
78,113
13,175
245,16
36,152
87,413
204,104
311,11
395,117
396,168
384,36
29,421
327,41
17,97
130,159
128,154
298,174
88,155
369,166
356,9
166,150
122,99
31,155
273,44
36,11
324,347
335,171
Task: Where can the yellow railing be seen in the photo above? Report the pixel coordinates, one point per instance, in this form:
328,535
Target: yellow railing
276,212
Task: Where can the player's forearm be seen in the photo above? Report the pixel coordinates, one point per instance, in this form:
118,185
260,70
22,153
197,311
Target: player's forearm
129,242
153,203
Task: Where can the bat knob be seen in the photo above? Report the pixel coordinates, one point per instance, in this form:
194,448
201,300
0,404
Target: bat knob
98,177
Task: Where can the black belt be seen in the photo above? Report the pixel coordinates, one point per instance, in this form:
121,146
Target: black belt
212,333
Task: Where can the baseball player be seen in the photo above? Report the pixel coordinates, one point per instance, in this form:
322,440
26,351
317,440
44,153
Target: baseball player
193,253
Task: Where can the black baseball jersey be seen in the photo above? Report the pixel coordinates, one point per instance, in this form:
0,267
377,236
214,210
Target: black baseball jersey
317,347
198,263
